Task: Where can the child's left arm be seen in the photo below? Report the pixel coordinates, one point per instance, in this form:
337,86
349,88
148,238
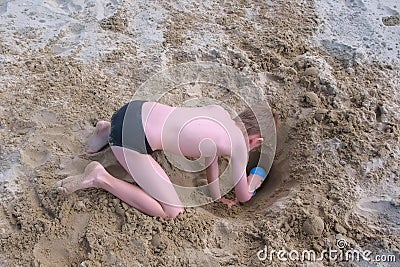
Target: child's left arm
213,176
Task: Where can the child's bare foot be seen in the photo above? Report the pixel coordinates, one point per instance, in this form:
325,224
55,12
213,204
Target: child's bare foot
88,179
99,138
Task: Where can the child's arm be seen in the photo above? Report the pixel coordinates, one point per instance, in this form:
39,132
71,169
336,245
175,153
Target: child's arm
239,163
244,189
213,175
243,193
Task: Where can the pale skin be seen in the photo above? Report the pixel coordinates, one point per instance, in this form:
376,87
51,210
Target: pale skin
207,132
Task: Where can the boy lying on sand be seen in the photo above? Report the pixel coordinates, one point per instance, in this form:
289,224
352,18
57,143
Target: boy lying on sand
207,132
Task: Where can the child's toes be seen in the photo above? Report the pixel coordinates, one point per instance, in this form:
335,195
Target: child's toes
58,184
61,190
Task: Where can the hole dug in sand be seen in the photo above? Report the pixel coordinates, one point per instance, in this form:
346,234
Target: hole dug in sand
278,184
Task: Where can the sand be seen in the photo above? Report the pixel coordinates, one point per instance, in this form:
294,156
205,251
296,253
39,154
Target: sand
329,69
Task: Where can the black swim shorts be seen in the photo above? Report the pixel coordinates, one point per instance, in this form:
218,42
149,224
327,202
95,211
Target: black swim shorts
129,132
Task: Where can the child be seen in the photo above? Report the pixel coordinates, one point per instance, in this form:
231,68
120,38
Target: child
207,132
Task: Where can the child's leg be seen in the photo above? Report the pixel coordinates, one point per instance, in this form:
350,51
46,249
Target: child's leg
99,138
149,175
96,176
134,196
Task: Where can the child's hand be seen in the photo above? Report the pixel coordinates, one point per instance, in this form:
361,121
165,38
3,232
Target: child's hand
230,203
255,181
256,178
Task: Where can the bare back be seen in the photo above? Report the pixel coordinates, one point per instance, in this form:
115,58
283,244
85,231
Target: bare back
196,132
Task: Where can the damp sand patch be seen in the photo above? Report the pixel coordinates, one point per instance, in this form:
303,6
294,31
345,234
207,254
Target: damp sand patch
360,30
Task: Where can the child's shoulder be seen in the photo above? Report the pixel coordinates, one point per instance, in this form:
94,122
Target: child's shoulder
217,108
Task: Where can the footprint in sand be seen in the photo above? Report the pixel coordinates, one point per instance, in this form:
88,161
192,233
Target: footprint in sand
70,38
45,117
72,166
35,157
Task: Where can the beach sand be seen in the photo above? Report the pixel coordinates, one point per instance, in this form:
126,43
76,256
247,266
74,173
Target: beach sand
329,69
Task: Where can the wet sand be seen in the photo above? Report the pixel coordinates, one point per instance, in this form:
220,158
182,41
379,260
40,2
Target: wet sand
334,82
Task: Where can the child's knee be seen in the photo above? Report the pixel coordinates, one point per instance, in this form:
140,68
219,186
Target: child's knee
173,212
